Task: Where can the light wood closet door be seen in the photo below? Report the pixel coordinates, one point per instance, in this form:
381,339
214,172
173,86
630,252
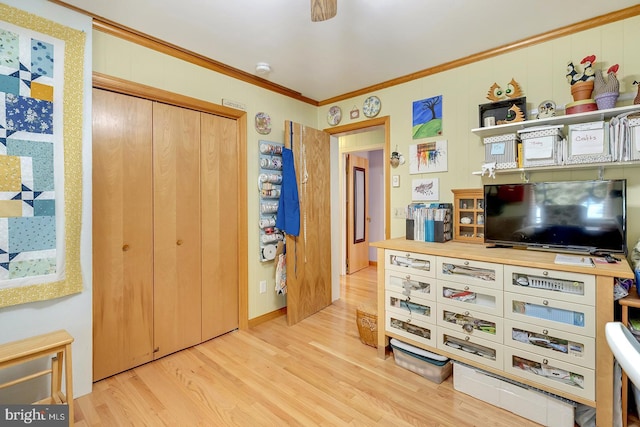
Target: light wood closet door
219,189
177,267
122,233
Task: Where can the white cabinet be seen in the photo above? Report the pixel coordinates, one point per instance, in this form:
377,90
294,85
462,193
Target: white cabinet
471,322
513,313
571,287
411,307
470,272
553,373
470,297
411,284
530,321
401,325
554,343
410,263
484,352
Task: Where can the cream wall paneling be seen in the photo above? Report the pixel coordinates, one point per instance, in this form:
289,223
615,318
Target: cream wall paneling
165,259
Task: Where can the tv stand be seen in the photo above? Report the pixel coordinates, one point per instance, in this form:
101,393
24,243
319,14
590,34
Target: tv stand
503,279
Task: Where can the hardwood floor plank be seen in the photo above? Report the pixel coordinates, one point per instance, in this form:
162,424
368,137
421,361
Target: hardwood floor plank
315,373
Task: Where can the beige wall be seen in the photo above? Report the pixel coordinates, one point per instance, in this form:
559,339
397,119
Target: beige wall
540,70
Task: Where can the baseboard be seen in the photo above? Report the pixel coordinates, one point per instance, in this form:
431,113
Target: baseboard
373,263
268,316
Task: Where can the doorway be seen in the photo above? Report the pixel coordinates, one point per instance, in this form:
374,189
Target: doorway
338,215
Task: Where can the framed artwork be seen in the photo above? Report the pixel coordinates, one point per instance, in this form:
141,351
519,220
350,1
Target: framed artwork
427,117
425,189
428,157
41,74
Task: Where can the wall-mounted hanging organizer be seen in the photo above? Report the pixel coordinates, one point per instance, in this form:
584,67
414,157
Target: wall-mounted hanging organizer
269,185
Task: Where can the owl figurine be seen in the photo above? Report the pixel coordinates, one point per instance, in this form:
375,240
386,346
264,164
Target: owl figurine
497,93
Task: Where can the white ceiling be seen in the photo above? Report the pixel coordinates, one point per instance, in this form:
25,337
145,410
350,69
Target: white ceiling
368,42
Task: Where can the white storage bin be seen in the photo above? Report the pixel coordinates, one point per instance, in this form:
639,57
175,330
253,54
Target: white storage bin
525,402
541,146
502,149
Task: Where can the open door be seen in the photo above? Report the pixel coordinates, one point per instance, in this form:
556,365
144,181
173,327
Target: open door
309,253
357,213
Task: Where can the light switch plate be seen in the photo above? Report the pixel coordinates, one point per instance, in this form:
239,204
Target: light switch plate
395,180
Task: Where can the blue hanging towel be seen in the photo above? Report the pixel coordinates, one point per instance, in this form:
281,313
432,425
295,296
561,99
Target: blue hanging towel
288,218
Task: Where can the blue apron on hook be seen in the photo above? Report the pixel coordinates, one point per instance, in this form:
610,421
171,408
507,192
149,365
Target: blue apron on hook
288,218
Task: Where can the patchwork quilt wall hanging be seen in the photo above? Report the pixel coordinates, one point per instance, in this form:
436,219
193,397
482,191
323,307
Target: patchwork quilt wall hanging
41,96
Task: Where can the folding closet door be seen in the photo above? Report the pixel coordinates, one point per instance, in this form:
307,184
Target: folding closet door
176,224
219,198
122,233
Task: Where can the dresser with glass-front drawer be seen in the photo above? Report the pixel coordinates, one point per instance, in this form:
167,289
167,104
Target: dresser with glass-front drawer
514,313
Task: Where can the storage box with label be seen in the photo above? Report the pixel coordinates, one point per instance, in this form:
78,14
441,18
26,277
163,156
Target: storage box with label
588,143
502,149
542,146
429,365
634,139
528,403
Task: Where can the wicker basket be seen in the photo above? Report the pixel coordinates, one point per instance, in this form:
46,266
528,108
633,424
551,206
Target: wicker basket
367,321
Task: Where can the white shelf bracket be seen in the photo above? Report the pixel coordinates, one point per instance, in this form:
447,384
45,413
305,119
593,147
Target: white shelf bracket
600,173
524,176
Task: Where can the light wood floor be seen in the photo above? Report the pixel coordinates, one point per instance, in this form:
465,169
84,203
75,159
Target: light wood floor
316,373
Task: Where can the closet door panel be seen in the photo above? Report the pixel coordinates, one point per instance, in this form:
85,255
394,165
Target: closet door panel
177,282
219,190
122,233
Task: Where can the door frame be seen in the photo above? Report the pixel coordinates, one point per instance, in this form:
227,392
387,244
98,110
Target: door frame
334,132
115,84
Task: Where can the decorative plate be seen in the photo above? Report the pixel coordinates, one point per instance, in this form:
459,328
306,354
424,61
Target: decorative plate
263,123
371,106
334,115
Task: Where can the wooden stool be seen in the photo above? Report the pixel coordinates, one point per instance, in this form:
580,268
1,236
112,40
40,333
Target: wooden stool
58,342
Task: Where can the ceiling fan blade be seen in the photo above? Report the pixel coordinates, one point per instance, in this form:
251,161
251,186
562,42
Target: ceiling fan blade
321,10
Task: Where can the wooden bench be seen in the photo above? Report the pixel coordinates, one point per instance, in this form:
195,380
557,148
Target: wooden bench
58,342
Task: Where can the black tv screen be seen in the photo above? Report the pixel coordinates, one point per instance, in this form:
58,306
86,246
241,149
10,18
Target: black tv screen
575,216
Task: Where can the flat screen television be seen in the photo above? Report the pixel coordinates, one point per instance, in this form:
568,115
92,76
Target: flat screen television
568,216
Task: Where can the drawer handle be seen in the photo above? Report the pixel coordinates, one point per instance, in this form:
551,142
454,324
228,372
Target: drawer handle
408,255
545,332
179,242
466,313
467,327
466,263
408,321
545,362
408,298
466,338
466,288
408,277
545,273
125,248
545,302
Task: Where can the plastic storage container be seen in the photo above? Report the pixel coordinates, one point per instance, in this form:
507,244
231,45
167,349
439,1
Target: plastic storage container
417,361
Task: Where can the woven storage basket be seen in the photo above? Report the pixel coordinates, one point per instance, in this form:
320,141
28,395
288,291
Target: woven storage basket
367,321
